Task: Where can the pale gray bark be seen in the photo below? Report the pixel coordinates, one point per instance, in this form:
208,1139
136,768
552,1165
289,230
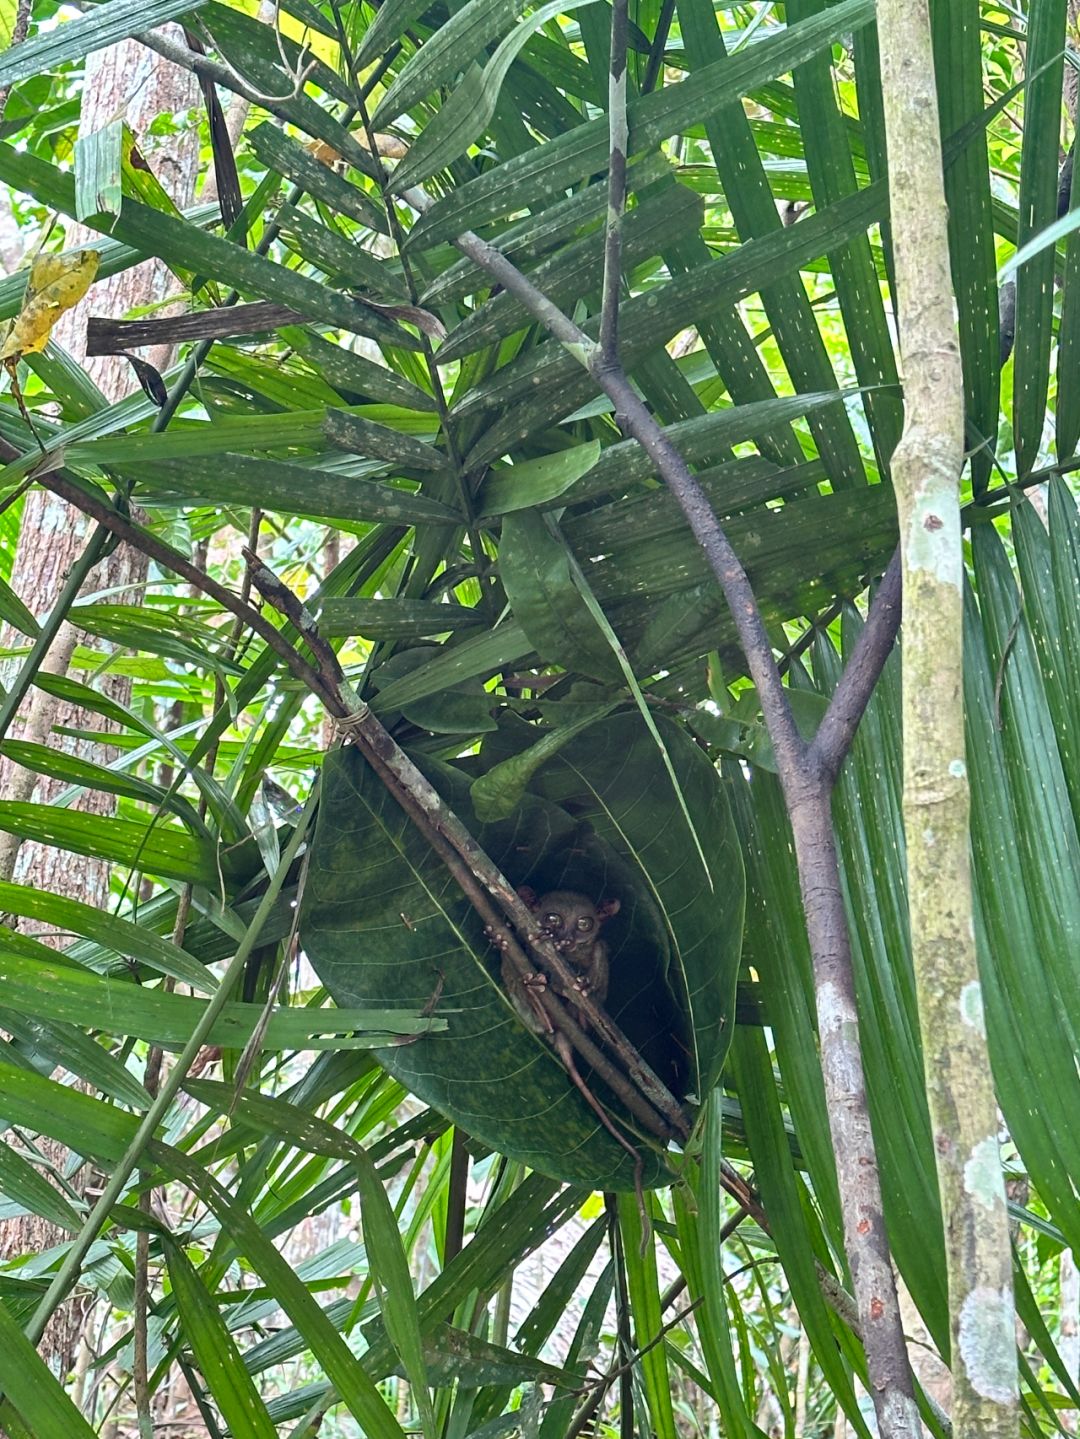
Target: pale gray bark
926,476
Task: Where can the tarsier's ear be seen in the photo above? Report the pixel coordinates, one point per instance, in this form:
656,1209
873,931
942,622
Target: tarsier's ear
606,908
529,895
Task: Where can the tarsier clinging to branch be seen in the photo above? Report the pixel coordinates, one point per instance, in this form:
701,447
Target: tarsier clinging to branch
572,922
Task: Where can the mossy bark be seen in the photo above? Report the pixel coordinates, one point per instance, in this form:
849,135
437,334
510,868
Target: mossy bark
926,472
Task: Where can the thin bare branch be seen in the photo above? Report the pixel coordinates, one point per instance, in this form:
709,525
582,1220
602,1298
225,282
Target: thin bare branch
619,131
836,732
222,74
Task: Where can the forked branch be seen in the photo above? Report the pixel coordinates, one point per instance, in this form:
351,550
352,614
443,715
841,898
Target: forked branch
806,774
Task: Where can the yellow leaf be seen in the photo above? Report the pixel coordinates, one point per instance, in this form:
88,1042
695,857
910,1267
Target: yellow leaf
56,283
7,22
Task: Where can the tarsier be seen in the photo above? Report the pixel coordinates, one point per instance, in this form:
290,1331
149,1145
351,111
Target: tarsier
572,922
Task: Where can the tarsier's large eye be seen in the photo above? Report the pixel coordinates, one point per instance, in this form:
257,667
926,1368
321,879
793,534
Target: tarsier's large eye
584,924
553,920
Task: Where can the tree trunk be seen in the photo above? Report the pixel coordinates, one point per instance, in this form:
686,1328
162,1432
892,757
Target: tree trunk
130,80
926,467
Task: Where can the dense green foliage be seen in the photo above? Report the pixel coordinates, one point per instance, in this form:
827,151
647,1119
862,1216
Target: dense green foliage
521,603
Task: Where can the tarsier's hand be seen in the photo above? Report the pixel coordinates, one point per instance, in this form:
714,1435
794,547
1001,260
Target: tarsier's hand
523,992
498,936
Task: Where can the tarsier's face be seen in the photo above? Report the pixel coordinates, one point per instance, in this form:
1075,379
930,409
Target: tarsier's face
569,920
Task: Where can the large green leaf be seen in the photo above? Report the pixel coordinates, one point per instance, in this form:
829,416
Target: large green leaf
535,569
467,111
536,482
215,1352
21,1182
353,1382
291,159
157,849
613,777
547,382
394,619
831,168
117,936
648,572
577,268
1037,209
334,254
382,916
354,374
971,239
30,1386
540,233
748,189
63,991
290,488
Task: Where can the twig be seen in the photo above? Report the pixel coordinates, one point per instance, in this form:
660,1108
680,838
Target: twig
861,673
621,1371
224,75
